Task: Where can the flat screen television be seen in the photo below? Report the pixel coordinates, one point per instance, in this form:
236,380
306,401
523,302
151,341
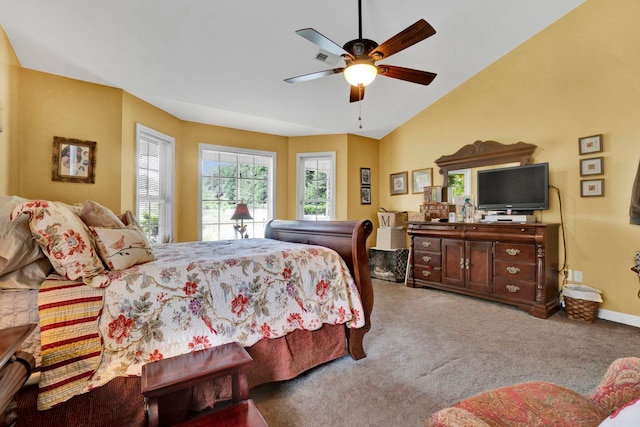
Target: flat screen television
521,189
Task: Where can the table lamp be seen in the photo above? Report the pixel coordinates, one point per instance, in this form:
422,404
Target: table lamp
241,213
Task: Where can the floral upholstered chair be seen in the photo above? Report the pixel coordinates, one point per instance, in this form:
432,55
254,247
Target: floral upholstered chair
612,403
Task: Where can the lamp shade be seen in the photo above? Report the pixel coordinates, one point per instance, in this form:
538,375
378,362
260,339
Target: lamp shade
360,74
242,212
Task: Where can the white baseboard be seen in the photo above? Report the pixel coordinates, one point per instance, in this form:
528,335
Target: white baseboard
615,316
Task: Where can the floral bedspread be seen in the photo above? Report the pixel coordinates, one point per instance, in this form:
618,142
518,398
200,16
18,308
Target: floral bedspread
202,294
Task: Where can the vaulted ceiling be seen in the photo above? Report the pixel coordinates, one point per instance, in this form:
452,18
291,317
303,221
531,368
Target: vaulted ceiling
224,62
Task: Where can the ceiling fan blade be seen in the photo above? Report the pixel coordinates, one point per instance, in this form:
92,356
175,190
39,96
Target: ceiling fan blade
407,74
356,93
315,37
313,76
405,38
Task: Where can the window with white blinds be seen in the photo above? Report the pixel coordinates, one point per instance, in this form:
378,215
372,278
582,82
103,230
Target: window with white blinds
315,192
229,176
154,183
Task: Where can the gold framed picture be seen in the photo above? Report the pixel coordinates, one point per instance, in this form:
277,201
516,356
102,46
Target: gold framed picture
398,182
421,178
592,188
590,144
73,160
592,166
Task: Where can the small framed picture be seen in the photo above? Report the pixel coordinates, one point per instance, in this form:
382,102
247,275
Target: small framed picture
398,182
74,160
590,144
593,166
365,176
592,188
421,178
365,195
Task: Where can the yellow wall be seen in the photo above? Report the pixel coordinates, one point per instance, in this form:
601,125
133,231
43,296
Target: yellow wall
363,153
9,78
578,77
56,106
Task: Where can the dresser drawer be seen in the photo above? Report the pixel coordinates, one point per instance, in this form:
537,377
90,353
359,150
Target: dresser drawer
515,252
512,288
426,244
424,272
432,259
514,270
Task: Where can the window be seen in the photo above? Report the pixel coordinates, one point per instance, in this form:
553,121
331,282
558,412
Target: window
154,183
315,186
229,176
459,184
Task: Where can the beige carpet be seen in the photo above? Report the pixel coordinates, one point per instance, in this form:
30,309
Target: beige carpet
428,349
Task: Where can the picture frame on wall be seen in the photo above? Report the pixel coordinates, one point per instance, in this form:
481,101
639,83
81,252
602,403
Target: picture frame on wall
398,183
592,188
365,195
420,179
590,144
592,166
74,160
365,176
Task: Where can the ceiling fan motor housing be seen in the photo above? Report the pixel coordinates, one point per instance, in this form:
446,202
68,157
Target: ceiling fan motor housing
360,48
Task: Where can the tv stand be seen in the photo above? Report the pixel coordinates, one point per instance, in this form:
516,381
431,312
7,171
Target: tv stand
515,264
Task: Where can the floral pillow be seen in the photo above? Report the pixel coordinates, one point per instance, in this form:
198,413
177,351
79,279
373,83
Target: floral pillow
122,248
95,215
64,240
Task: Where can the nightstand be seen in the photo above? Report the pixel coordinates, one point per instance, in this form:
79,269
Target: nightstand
15,368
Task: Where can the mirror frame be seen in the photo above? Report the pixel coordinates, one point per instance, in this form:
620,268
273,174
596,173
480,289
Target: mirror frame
485,153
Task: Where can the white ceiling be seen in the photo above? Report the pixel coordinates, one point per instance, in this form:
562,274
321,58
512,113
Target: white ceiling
223,62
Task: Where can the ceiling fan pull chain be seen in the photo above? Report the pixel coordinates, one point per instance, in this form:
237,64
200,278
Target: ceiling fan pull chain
360,111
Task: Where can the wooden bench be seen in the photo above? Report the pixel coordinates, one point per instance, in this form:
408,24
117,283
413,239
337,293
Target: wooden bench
186,370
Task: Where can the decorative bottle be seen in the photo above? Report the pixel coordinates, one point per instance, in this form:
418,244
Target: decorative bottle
468,210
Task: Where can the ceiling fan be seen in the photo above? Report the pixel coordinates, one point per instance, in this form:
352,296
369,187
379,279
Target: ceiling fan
360,56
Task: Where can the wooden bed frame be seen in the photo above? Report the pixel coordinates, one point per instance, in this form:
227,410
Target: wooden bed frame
347,238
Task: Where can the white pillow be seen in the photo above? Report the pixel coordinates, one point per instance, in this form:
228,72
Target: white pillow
122,248
627,416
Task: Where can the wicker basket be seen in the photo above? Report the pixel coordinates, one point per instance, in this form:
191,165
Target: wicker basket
580,309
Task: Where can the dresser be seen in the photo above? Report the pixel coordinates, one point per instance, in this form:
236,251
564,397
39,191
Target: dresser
515,264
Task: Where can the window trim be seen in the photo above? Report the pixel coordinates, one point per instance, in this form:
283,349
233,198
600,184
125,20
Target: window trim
467,182
235,150
168,183
300,181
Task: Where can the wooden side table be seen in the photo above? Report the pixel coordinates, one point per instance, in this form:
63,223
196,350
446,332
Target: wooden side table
15,368
186,370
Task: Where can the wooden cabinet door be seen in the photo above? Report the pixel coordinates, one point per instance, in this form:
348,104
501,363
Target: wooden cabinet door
479,265
453,255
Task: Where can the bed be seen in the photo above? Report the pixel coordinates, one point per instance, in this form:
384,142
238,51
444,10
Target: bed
132,299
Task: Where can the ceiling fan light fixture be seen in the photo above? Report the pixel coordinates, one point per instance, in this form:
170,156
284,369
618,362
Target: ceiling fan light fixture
360,74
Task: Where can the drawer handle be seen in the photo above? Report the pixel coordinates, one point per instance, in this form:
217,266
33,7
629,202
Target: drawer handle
513,288
426,273
426,258
513,252
513,270
426,244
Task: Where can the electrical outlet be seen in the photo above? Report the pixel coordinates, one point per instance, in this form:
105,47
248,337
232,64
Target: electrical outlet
569,275
577,276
